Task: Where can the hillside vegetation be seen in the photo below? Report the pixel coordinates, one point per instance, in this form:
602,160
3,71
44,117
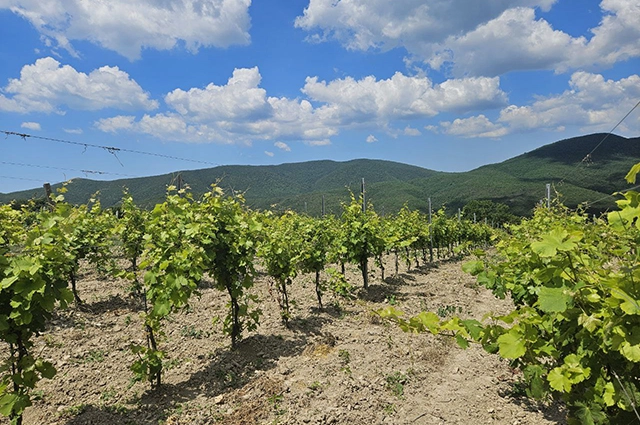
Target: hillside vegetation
518,182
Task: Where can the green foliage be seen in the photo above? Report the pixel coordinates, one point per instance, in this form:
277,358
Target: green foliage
228,236
396,382
281,250
360,236
316,237
130,229
175,263
88,231
32,269
575,329
495,213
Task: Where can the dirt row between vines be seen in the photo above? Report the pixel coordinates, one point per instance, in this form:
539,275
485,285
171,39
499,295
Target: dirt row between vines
341,365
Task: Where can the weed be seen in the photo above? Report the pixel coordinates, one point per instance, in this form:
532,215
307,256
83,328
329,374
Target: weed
278,411
396,382
117,409
448,310
171,363
74,410
108,394
226,377
127,320
191,332
389,409
392,300
316,386
345,358
51,342
94,356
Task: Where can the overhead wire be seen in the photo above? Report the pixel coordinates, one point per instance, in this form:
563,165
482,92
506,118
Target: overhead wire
588,157
20,178
110,149
20,164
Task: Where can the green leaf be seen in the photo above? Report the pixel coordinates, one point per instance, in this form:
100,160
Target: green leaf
7,402
473,267
551,243
474,328
46,369
162,308
609,394
631,352
426,320
588,415
511,345
553,300
630,305
462,341
558,381
633,172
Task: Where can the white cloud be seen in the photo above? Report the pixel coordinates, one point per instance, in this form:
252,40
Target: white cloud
240,111
283,146
410,131
365,24
45,86
127,27
115,124
269,153
591,104
239,100
325,142
472,127
351,101
371,138
31,125
513,41
476,38
73,130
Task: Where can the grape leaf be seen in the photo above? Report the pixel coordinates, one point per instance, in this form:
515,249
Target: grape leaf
511,345
558,381
553,300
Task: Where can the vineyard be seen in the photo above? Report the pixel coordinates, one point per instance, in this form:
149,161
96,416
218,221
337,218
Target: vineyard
201,304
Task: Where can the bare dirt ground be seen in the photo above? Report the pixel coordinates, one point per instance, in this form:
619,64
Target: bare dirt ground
338,366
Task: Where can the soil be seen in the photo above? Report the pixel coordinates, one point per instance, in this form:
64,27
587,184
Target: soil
340,365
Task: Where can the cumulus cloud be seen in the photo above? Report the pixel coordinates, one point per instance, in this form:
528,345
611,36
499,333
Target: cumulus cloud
73,130
241,111
128,27
31,125
513,41
478,126
401,97
476,38
269,153
410,131
591,103
114,124
283,146
47,85
371,138
365,24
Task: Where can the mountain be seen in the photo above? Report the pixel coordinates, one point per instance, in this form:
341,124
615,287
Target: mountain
576,175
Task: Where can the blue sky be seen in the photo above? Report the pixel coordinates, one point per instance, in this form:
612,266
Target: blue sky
443,84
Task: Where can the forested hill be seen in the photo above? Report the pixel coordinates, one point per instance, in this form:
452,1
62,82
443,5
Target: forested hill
519,182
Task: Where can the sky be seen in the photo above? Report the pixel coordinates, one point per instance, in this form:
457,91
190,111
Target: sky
448,85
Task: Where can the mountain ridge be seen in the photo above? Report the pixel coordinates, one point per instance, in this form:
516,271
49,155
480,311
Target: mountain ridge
587,167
